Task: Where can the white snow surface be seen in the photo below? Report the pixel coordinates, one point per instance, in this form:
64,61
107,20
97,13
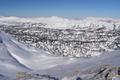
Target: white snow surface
17,57
63,23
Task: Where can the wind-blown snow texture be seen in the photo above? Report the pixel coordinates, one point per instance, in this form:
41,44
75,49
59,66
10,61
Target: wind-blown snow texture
16,57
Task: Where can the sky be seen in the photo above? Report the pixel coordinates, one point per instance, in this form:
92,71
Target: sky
63,8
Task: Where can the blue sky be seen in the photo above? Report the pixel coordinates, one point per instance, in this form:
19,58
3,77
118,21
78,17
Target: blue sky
64,8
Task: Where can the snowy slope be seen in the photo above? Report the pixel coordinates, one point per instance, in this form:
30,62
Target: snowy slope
31,57
16,57
8,64
80,65
22,58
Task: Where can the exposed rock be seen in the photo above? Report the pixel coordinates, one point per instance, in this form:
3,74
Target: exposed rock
105,72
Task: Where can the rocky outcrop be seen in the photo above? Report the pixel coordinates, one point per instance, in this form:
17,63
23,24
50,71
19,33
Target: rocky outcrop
105,72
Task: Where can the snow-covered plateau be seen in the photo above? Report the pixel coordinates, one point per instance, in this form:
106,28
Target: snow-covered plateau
55,48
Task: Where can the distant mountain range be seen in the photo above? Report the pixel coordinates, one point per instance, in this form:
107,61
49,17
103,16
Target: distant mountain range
63,23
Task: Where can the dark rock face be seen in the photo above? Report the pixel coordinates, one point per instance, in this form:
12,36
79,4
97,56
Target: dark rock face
78,78
1,41
67,42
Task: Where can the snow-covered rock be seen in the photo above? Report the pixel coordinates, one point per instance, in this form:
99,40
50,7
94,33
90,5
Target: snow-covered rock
67,42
